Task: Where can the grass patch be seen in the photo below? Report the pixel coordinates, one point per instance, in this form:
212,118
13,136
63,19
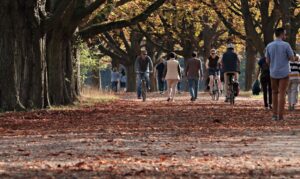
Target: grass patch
89,97
248,94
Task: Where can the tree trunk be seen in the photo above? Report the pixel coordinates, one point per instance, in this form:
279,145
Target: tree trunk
22,55
153,82
131,78
250,65
60,60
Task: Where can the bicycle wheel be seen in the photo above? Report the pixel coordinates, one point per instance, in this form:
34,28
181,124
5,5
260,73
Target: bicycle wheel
231,96
144,90
217,95
216,90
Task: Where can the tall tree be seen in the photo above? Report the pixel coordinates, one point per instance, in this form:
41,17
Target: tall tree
22,54
37,47
259,18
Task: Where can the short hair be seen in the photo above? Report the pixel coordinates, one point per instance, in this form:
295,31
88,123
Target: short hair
279,31
213,50
143,51
172,55
194,54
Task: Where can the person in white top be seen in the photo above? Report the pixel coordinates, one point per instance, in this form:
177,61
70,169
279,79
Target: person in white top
172,75
294,80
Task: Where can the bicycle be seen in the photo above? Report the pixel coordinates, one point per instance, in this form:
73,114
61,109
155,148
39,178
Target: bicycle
144,87
215,91
231,90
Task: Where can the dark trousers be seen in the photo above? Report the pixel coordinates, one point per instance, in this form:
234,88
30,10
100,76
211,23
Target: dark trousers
161,84
179,86
267,91
114,86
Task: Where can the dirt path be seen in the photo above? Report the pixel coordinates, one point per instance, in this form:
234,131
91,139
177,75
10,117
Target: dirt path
132,139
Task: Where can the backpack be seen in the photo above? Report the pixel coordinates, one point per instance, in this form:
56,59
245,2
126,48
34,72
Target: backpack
256,88
265,69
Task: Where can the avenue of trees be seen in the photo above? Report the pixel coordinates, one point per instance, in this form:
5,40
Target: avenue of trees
39,39
38,56
186,26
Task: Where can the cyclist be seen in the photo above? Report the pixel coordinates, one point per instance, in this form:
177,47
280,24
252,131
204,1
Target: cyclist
213,66
231,65
143,66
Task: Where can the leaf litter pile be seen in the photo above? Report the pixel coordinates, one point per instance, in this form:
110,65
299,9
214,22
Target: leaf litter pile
129,138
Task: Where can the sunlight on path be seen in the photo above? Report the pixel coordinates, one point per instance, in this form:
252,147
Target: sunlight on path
201,139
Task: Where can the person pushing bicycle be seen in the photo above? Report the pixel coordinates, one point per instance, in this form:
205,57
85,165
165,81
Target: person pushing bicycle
143,67
231,66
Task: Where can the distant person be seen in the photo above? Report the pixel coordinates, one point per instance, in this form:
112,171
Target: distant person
143,67
265,80
160,76
230,65
115,77
172,75
278,54
213,66
194,72
123,80
293,88
180,84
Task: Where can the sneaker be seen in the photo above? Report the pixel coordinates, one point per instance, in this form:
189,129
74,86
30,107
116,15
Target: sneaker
139,97
270,106
168,99
226,100
274,117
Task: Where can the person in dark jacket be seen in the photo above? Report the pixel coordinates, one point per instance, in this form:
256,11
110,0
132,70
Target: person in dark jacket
265,80
160,75
143,67
230,64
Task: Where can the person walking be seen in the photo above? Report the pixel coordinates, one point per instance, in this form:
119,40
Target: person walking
278,54
172,75
265,80
115,78
293,89
193,72
123,80
160,75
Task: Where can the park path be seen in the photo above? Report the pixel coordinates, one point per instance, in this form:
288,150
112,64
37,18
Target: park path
129,138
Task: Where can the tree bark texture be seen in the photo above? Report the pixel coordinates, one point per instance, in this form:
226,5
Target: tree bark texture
22,55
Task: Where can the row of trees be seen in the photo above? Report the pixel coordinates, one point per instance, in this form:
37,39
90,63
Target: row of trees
184,27
38,54
39,38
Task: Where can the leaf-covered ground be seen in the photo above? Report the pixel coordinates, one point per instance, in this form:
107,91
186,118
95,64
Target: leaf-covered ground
155,139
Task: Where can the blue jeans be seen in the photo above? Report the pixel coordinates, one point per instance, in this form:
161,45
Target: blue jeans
114,86
179,86
139,78
193,85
